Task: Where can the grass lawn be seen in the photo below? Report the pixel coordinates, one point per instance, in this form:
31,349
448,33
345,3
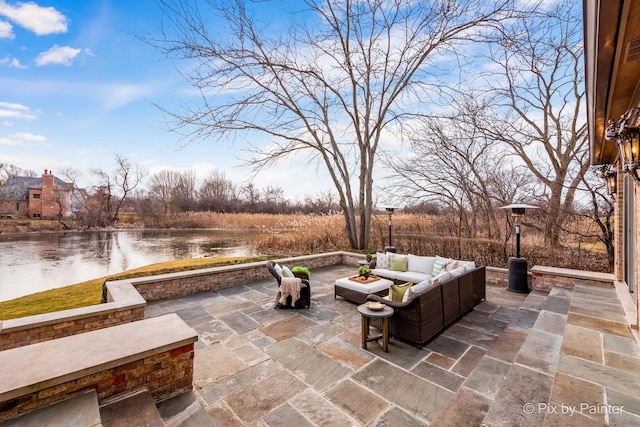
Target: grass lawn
90,292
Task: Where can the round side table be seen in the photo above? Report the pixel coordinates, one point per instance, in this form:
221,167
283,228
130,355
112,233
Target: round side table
367,314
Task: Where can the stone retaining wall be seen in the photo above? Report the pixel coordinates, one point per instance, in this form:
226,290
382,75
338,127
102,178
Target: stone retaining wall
25,331
167,286
164,375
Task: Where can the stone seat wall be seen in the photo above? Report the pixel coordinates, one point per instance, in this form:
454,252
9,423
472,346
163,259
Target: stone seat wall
154,354
545,278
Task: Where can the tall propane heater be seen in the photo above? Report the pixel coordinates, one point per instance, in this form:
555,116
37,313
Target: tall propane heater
518,266
390,210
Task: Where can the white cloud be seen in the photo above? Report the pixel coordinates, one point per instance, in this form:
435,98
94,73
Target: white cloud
40,20
6,30
15,63
7,123
63,55
21,138
86,52
8,141
12,62
15,111
117,95
30,137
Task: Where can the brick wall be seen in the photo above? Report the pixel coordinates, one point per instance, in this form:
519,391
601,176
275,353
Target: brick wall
9,207
11,337
164,374
618,225
49,206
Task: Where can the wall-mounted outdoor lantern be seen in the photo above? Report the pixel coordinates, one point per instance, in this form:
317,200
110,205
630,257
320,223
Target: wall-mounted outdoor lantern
518,268
608,173
626,133
390,210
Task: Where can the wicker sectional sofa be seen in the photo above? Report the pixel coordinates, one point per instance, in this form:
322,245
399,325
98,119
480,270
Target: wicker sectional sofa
436,305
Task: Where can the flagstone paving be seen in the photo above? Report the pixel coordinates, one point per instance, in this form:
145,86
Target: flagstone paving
563,358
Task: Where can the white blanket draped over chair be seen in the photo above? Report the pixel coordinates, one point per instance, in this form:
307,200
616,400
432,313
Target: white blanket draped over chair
290,286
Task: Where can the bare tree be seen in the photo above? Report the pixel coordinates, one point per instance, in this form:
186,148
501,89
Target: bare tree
274,199
251,195
9,171
536,97
217,192
185,194
451,163
160,186
598,210
331,85
114,188
176,189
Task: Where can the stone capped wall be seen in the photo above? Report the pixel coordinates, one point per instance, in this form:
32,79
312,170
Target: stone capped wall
164,374
19,332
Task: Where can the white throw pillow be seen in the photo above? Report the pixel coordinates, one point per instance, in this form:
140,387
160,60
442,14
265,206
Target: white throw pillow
421,264
278,269
407,295
458,271
442,277
422,286
286,272
471,265
418,289
382,260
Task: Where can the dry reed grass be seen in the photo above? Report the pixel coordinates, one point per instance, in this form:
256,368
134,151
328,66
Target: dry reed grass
232,221
425,235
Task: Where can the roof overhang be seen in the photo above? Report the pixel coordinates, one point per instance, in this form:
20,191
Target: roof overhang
612,68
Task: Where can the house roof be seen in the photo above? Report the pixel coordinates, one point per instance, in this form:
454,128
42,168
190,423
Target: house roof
612,68
17,187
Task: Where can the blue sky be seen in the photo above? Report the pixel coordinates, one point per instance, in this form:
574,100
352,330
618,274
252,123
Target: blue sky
76,88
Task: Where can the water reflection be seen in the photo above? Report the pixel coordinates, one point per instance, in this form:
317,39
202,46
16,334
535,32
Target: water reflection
35,262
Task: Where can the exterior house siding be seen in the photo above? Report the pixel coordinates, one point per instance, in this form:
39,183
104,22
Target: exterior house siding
612,87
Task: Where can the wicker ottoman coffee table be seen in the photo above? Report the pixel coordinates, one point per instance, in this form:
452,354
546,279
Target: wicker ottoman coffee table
351,289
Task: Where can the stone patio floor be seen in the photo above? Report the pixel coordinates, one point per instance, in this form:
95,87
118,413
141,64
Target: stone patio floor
566,358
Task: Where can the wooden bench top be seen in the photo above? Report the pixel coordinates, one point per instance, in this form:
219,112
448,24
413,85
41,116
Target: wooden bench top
38,366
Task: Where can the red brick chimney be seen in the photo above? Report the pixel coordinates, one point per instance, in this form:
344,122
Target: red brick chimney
50,207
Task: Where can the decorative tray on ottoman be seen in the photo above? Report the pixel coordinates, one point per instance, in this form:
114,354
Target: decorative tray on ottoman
365,280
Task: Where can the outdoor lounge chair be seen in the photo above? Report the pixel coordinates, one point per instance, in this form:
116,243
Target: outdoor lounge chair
305,289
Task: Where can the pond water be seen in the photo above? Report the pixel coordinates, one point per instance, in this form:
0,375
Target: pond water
32,263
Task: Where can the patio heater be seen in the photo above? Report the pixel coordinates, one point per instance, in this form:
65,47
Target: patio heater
390,210
518,266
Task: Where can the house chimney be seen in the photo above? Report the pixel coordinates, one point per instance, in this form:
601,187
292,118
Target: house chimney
45,172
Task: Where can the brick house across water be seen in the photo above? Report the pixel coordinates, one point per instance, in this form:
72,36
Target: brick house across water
46,197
